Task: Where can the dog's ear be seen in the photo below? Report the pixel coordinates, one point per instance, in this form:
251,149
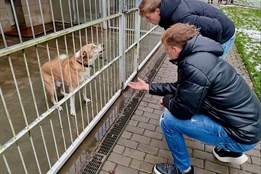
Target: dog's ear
84,55
78,54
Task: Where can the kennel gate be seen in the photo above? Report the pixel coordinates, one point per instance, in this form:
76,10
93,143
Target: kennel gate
35,137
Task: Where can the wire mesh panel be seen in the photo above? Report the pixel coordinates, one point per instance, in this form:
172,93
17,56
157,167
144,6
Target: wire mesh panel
63,64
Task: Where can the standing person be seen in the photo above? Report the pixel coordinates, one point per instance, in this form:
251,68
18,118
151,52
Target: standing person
211,21
209,102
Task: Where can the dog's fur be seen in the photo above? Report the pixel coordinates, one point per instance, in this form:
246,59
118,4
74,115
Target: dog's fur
65,70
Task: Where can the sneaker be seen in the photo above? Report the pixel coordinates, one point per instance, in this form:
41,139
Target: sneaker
229,156
166,168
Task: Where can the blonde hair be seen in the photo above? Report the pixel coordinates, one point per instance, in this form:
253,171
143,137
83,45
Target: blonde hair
179,34
148,6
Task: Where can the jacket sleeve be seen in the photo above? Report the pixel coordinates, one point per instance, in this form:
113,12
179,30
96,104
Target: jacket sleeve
209,27
162,89
190,93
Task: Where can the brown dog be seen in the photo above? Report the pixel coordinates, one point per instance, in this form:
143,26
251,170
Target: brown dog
70,71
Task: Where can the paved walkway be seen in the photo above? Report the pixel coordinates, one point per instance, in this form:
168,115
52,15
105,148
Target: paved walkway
142,145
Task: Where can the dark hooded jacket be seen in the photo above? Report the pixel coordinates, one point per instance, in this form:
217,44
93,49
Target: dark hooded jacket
207,85
211,21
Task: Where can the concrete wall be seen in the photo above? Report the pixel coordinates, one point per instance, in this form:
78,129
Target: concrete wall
6,14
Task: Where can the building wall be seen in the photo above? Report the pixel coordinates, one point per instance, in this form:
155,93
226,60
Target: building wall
36,13
6,14
4,19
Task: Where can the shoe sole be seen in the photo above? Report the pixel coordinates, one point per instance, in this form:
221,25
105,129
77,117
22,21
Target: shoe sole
239,160
156,171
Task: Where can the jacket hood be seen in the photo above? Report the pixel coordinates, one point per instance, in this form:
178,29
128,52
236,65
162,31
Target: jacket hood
197,44
167,8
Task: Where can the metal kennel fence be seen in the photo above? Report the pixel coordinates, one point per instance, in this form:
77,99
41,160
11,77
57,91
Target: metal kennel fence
34,136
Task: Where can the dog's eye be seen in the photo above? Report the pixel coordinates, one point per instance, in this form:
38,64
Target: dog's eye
84,54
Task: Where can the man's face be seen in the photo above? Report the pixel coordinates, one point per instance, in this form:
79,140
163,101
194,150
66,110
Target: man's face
172,51
153,17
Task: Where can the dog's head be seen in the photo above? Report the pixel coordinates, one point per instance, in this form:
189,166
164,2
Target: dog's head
88,53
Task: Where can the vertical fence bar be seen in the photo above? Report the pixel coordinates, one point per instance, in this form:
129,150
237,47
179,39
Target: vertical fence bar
16,21
36,108
137,40
51,6
3,35
122,28
42,18
77,77
41,128
30,19
67,112
56,98
6,163
59,113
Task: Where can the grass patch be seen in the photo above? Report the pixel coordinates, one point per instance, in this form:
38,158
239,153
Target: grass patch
248,35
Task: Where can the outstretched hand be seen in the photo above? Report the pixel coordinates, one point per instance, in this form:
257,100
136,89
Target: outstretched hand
139,85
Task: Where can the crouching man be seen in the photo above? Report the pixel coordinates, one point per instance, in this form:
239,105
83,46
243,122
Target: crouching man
209,102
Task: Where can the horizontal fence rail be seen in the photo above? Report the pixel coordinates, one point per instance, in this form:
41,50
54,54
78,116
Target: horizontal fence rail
38,136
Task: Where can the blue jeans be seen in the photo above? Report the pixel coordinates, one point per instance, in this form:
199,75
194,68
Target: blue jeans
227,46
199,127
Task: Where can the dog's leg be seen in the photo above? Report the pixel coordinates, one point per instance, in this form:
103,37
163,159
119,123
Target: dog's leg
72,103
60,108
84,94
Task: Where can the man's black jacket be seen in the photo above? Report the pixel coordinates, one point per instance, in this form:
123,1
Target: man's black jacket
210,86
211,21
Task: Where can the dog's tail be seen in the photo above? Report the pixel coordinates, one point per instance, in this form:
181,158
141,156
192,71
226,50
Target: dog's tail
63,56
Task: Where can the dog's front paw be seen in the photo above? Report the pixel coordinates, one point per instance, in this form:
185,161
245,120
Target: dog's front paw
86,99
73,113
59,108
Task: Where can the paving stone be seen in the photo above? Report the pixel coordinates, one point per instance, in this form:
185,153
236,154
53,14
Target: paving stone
118,149
145,109
141,139
126,134
254,152
143,103
138,112
154,122
251,168
134,154
141,165
119,159
158,143
203,155
154,159
125,170
151,115
153,134
165,154
140,118
238,171
146,126
256,160
154,106
127,143
216,167
148,149
108,166
197,162
202,171
134,129
133,123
